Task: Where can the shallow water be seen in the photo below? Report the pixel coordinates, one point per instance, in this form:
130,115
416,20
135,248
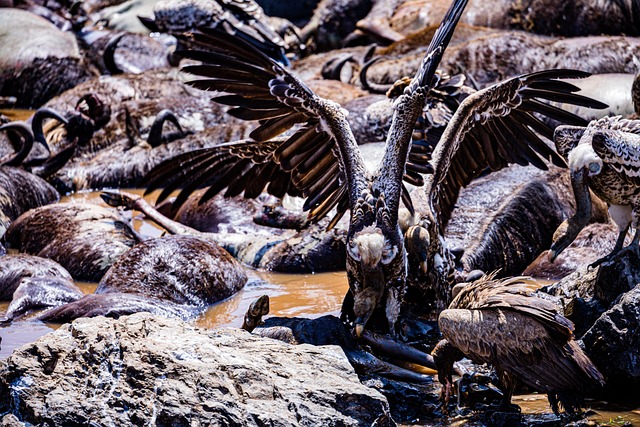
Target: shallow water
304,295
16,113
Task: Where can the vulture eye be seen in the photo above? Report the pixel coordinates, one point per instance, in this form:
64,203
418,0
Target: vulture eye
353,251
594,168
388,254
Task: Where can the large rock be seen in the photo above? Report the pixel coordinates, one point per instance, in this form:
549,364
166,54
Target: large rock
613,342
145,370
604,305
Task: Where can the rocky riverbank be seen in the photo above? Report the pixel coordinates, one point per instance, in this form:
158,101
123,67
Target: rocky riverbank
146,370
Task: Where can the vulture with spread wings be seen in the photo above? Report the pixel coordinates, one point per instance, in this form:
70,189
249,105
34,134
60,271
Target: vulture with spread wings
319,158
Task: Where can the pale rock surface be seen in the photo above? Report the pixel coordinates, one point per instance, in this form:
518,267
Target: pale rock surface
146,370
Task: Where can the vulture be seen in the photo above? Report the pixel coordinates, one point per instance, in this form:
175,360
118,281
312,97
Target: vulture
603,157
503,323
320,160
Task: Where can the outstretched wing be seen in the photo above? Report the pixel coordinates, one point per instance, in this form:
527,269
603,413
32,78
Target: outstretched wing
319,153
501,125
238,166
408,107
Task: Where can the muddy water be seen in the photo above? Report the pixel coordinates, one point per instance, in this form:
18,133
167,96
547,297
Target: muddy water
311,295
290,295
16,113
305,295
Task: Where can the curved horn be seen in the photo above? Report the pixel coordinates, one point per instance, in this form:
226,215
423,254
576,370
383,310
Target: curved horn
155,134
108,56
366,85
22,129
36,124
332,69
149,23
54,163
368,55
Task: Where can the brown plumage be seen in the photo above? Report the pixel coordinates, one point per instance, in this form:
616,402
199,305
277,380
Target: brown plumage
319,158
524,337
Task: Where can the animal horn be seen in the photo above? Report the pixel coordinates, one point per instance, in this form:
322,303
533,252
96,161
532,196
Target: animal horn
364,82
108,56
332,69
26,142
155,134
36,124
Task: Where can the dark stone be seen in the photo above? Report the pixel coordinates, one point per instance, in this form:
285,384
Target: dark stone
613,343
617,277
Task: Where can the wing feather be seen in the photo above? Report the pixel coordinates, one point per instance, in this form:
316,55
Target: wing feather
501,125
259,89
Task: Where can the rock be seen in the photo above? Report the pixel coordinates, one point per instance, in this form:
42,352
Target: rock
615,278
145,370
588,292
604,304
613,342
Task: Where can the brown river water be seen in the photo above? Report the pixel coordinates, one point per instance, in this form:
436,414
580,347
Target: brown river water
291,295
303,295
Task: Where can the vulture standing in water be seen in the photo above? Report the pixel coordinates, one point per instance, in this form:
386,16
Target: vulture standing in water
603,157
501,322
320,159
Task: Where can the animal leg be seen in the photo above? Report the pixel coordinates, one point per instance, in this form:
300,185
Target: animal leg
509,384
622,216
